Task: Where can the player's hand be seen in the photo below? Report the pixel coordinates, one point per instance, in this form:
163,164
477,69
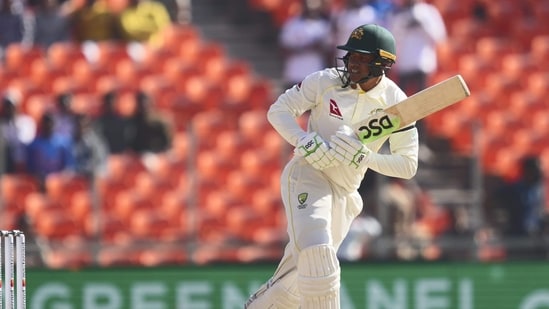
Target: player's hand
348,149
316,151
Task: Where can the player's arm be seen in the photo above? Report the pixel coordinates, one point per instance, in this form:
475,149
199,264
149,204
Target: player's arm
290,105
402,161
282,116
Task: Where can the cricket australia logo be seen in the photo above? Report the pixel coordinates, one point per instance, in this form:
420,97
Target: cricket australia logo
334,110
301,199
357,34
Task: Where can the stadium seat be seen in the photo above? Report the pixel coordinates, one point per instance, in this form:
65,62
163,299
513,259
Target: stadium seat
539,50
14,189
538,84
117,255
494,49
513,65
162,255
60,187
63,55
252,125
68,257
204,126
18,57
180,37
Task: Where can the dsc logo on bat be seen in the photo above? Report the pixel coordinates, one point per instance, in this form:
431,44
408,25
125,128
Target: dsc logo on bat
377,126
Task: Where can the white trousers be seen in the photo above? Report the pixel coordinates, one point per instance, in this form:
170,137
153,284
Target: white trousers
318,213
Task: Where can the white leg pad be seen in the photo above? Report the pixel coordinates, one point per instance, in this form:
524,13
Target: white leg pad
282,294
319,278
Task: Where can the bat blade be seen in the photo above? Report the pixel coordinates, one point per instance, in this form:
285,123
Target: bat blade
414,108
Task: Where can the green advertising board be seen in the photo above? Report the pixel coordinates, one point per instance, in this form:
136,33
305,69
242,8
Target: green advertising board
364,286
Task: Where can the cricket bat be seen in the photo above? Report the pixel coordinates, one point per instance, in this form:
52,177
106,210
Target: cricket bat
415,107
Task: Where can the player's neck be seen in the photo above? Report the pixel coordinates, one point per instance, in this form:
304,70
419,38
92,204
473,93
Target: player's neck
369,84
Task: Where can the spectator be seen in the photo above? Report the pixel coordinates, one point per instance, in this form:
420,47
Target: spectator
152,133
354,14
64,117
419,29
112,127
51,25
17,130
92,22
49,152
89,150
524,200
305,42
12,25
143,21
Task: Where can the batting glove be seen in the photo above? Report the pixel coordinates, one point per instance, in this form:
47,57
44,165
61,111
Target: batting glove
348,149
315,151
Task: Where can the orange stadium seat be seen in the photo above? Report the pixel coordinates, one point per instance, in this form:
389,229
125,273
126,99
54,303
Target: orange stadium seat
63,55
493,49
109,54
538,83
539,50
18,57
474,70
111,256
526,105
60,187
205,125
178,37
513,65
252,124
163,255
14,188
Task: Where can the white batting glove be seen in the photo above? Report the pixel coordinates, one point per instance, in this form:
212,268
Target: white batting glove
316,151
348,149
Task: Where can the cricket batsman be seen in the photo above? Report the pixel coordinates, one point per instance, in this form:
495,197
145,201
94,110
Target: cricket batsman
319,184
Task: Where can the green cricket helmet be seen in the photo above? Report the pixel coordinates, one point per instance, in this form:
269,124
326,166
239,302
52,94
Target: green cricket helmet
369,39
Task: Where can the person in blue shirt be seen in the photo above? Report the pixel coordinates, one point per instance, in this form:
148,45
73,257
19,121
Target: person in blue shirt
49,152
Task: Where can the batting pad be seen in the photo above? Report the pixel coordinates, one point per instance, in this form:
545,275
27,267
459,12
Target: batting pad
275,296
318,277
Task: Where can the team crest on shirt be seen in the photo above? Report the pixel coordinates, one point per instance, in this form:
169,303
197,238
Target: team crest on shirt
301,199
334,110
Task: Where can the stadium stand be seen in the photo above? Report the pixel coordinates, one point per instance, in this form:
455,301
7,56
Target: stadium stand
193,195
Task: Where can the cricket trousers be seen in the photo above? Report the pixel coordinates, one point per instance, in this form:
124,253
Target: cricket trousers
319,215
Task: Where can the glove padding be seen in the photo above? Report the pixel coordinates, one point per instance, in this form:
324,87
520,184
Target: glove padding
348,149
315,151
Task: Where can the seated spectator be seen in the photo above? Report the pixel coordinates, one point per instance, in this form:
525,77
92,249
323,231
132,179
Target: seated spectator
114,129
152,133
64,117
523,201
17,130
49,152
143,21
92,22
11,24
51,25
88,148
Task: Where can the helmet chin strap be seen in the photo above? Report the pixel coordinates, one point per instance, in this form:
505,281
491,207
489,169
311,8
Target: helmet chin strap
362,80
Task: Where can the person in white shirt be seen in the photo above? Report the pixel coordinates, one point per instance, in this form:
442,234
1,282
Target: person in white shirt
418,28
305,42
344,21
319,185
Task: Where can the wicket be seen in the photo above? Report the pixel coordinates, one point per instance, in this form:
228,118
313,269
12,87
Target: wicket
12,275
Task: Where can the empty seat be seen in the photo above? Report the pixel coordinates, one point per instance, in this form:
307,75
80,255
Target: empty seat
14,189
163,255
539,50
